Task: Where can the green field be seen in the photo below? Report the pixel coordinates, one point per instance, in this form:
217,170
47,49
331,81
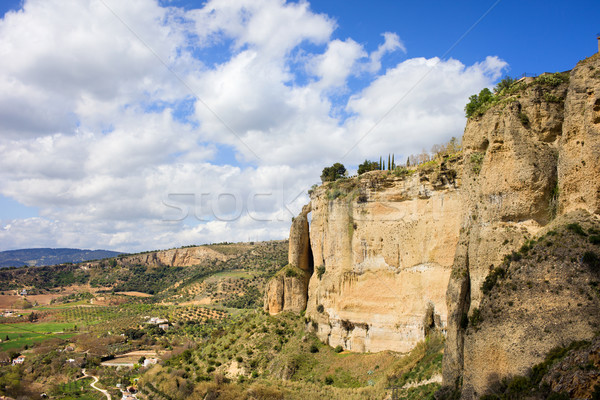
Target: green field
25,333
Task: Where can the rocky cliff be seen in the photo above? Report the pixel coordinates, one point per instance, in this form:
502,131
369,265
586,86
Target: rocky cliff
528,159
488,245
382,246
183,257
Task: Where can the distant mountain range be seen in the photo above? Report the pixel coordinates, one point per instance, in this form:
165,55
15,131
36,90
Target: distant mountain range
40,257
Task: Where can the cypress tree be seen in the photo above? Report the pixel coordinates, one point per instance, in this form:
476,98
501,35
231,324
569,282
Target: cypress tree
380,164
393,163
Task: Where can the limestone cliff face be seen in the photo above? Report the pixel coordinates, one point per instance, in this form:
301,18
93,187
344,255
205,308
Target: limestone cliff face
383,247
184,257
578,166
526,160
388,257
288,289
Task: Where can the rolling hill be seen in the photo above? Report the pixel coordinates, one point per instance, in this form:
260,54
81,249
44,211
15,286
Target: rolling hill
46,256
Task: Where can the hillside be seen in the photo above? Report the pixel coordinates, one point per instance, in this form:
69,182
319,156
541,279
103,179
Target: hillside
256,356
230,274
42,257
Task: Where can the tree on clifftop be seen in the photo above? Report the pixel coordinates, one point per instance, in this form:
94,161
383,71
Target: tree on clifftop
476,102
336,171
368,166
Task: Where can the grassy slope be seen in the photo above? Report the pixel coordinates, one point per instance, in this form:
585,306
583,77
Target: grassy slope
275,356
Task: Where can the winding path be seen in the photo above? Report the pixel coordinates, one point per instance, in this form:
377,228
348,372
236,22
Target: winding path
93,384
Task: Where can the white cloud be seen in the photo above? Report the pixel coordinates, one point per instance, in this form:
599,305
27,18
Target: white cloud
95,132
335,65
391,43
270,26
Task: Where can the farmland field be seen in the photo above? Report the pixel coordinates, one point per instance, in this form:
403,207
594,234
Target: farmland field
24,333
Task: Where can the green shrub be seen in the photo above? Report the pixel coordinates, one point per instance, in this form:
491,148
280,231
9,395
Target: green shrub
552,98
552,80
519,385
320,308
475,318
329,380
504,85
320,271
476,161
314,348
524,119
516,256
596,393
338,349
492,278
402,172
576,228
334,194
595,239
591,259
556,354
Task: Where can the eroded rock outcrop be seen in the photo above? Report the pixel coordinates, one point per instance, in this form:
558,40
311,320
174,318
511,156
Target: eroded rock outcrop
183,257
288,289
527,160
383,247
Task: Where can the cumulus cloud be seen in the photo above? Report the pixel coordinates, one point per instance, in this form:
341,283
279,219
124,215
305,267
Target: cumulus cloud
391,43
335,65
115,117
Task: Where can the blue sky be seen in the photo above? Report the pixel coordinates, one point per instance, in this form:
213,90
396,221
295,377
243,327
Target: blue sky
111,108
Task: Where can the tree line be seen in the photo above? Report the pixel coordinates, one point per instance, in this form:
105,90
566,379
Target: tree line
438,151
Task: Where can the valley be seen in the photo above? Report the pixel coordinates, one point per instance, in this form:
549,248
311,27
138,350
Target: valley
472,272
